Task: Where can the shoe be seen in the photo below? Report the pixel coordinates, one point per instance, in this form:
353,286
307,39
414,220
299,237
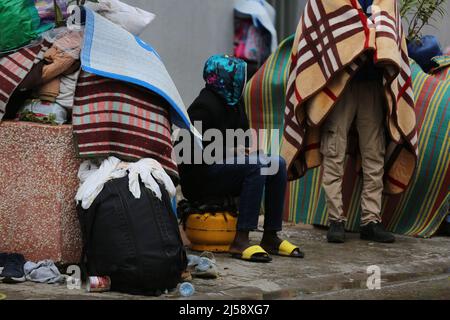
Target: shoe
2,262
377,233
336,233
13,269
445,229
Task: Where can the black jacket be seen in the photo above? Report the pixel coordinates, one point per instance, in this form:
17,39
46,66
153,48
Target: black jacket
212,111
215,114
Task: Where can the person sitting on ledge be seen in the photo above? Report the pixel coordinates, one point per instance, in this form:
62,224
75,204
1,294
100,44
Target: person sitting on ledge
238,173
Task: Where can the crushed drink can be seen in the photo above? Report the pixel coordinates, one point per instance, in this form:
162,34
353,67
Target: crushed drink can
98,284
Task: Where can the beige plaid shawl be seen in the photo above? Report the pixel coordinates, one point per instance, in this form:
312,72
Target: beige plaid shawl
329,47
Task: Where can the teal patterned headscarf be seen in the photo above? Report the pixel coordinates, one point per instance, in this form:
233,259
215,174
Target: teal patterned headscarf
226,76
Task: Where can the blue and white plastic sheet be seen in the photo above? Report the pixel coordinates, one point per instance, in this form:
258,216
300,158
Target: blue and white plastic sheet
110,51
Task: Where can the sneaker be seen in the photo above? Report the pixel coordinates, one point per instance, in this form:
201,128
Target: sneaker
336,233
13,269
377,233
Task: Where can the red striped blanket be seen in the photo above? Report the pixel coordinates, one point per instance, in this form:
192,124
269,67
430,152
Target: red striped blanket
113,118
14,68
329,47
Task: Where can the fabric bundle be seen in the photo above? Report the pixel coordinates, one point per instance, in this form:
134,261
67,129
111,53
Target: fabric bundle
422,51
43,272
61,69
422,207
20,24
113,118
328,50
14,68
44,76
124,108
46,9
262,14
132,19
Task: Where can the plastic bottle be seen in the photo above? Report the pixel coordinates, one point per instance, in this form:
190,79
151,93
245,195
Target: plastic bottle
186,289
204,264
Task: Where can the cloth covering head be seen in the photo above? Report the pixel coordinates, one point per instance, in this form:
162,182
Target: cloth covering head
226,76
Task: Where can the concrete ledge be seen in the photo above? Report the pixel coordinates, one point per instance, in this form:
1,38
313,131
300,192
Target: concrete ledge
38,182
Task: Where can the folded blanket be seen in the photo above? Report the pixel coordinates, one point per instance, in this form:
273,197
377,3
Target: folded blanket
329,48
14,68
114,118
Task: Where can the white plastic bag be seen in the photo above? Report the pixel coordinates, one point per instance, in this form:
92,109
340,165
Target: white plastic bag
130,18
46,112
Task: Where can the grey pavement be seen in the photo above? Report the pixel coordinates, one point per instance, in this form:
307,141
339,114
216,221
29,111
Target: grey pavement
411,268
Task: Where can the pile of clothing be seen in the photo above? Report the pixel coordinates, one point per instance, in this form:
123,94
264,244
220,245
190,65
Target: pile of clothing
15,269
51,83
78,75
41,63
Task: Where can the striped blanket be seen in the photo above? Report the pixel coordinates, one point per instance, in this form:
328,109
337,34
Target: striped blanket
417,212
329,48
14,68
114,118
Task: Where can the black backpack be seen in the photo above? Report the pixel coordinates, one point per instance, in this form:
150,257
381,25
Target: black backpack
136,242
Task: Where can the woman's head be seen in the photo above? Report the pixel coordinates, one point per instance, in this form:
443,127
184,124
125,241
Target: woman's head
226,76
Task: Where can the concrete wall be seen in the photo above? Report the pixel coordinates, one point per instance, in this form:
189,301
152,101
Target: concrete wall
185,33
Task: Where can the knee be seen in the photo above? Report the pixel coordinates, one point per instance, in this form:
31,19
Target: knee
276,166
282,163
282,167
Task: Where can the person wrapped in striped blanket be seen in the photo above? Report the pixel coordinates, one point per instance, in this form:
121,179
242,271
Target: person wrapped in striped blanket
350,69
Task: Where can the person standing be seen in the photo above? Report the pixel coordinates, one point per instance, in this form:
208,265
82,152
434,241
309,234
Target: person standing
349,61
363,103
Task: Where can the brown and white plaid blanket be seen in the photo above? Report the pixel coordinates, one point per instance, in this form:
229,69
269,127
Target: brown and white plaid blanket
329,47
